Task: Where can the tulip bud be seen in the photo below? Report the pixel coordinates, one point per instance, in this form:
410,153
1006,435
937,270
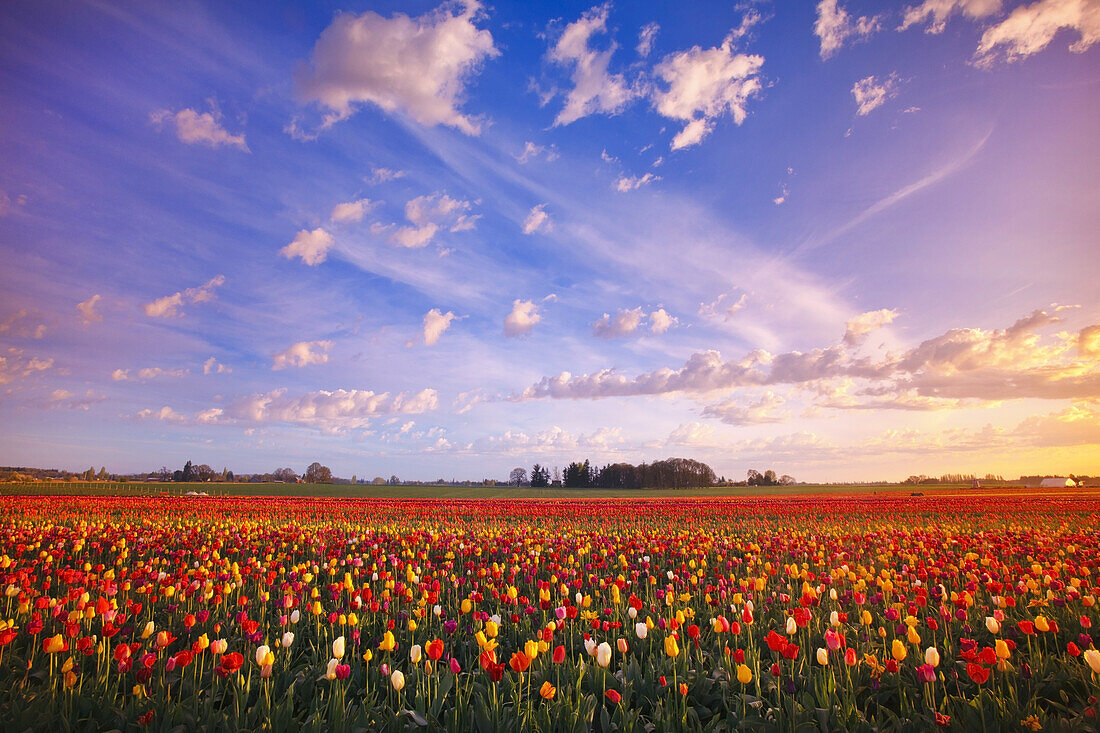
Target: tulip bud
261,653
603,654
641,630
822,657
993,625
932,656
415,653
397,679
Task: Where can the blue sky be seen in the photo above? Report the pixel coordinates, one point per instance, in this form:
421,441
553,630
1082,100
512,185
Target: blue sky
842,240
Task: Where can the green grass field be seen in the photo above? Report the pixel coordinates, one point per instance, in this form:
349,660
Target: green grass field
429,491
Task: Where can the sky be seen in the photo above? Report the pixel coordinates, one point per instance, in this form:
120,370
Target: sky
844,240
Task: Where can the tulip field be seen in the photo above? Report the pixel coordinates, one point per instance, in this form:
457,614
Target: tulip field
959,610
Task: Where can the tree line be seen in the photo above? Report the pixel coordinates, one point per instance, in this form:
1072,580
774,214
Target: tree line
671,473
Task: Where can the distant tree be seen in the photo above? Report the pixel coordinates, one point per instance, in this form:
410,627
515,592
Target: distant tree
205,473
102,475
354,479
770,478
286,475
540,476
557,475
378,481
394,481
754,477
164,474
786,480
578,475
318,474
518,476
229,476
188,473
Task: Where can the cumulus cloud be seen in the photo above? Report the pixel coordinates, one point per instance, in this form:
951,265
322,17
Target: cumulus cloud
14,364
144,375
329,411
537,220
691,434
311,246
724,307
834,26
646,36
88,313
624,323
764,409
16,324
419,67
435,323
936,12
531,151
195,128
974,364
1088,342
632,183
301,354
351,210
871,93
863,324
63,399
211,366
383,175
660,321
701,85
595,90
1030,28
523,318
170,305
553,441
428,215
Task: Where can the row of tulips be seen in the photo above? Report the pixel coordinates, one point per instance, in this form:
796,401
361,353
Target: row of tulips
858,613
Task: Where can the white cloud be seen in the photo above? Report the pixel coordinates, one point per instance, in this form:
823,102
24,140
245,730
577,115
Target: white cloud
834,26
335,410
1088,342
1030,28
765,409
164,414
427,215
435,323
623,324
311,246
531,151
301,354
87,310
691,434
192,128
594,90
383,175
16,325
863,324
351,210
211,366
704,84
660,321
523,318
419,67
170,305
626,183
724,307
936,12
63,399
974,364
537,220
14,365
144,375
646,36
871,93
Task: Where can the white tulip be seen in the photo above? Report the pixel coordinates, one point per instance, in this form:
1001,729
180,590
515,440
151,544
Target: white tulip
603,654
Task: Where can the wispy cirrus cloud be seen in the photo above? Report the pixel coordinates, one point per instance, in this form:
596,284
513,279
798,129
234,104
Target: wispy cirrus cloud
171,306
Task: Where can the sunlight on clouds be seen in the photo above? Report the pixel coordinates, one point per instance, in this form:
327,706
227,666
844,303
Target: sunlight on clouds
523,318
1030,28
170,306
303,353
936,12
834,27
595,90
192,127
416,66
871,93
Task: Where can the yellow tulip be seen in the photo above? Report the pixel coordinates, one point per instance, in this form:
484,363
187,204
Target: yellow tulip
672,649
898,650
744,674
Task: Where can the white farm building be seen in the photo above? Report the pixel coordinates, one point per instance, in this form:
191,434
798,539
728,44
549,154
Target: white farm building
1057,483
